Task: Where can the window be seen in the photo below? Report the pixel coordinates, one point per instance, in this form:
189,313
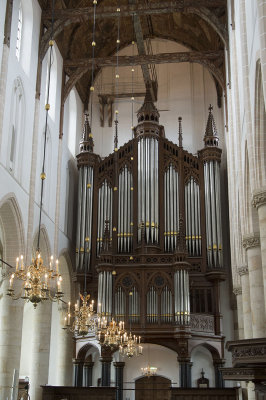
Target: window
72,123
19,32
17,113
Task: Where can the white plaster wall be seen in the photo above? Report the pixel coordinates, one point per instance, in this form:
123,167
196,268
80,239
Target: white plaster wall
202,359
156,356
183,90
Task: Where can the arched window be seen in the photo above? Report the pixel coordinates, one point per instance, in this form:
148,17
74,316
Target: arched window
19,32
260,125
72,123
17,113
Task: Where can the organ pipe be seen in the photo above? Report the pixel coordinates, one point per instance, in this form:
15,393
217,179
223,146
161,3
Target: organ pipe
148,213
125,207
192,212
84,218
105,206
182,301
213,213
134,306
105,291
171,209
152,305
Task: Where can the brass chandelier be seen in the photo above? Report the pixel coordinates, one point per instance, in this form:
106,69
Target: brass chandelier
130,345
37,279
83,316
110,334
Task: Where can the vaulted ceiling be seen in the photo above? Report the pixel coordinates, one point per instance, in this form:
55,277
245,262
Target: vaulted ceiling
200,25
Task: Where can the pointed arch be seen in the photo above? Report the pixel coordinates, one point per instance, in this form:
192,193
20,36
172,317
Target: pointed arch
12,228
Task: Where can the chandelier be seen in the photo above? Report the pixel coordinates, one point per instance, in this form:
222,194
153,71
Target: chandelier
37,278
110,334
83,316
37,281
130,346
149,371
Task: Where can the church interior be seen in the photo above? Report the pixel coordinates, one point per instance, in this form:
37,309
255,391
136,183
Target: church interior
132,199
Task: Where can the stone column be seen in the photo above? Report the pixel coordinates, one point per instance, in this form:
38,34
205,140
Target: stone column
106,370
77,372
11,317
238,293
247,321
119,382
185,373
252,245
87,374
64,367
261,6
39,367
259,201
219,382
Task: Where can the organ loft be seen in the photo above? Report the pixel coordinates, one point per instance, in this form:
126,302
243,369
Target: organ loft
149,237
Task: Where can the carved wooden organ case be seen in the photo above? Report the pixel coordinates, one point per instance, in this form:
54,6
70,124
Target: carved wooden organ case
149,231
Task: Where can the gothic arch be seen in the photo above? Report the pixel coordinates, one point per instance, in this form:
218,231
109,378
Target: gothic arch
45,247
12,227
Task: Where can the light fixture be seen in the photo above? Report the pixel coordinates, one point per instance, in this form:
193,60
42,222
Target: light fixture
149,371
130,345
110,334
83,316
37,278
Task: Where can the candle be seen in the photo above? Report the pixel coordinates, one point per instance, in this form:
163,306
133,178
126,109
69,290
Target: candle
21,263
56,263
17,260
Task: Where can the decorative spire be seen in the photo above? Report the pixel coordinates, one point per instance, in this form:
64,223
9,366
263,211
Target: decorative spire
211,138
86,144
180,133
148,111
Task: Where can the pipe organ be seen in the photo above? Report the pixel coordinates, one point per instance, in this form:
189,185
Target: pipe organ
149,228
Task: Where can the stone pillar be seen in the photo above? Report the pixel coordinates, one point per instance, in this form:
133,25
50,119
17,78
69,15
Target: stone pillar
219,382
39,367
185,373
64,367
87,373
247,321
119,382
261,6
77,372
259,201
106,370
11,317
252,245
238,293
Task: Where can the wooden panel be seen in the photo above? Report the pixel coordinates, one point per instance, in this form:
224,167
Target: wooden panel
78,393
152,388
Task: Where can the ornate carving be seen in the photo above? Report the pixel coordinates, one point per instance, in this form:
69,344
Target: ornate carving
250,241
237,291
243,270
251,351
259,198
202,323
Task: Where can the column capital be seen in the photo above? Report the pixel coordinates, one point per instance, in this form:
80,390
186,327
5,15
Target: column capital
251,240
119,364
77,361
88,364
243,270
259,198
237,290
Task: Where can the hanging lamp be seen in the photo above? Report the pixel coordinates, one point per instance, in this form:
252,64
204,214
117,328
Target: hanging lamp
37,278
